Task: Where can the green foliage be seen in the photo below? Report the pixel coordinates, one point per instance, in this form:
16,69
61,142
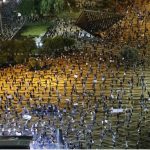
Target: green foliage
41,7
68,42
48,46
52,6
16,51
71,3
26,7
59,6
19,58
19,51
28,45
47,6
129,54
37,7
57,44
3,59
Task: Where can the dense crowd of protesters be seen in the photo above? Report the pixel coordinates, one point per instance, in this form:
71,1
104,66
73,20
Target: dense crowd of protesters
91,96
134,29
12,21
89,99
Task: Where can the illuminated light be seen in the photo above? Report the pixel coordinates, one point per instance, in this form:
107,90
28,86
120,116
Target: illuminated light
38,41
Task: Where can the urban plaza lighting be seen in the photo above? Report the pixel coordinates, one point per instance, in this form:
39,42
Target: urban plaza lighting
74,74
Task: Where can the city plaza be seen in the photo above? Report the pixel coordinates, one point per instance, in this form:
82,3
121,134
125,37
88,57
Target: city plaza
88,97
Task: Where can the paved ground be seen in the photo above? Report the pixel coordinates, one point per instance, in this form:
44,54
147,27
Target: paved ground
129,129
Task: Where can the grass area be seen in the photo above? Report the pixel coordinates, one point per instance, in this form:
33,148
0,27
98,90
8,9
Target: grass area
34,30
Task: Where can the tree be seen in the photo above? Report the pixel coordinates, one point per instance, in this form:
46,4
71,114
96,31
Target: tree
9,48
37,7
70,3
19,58
3,59
58,42
68,42
47,6
129,55
17,51
58,6
56,45
52,6
26,7
48,46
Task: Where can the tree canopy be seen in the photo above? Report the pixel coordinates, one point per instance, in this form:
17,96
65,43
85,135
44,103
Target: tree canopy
15,51
41,7
129,54
26,7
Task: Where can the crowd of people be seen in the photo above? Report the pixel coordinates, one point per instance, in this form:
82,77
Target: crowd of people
97,21
95,99
12,21
133,29
86,4
91,100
